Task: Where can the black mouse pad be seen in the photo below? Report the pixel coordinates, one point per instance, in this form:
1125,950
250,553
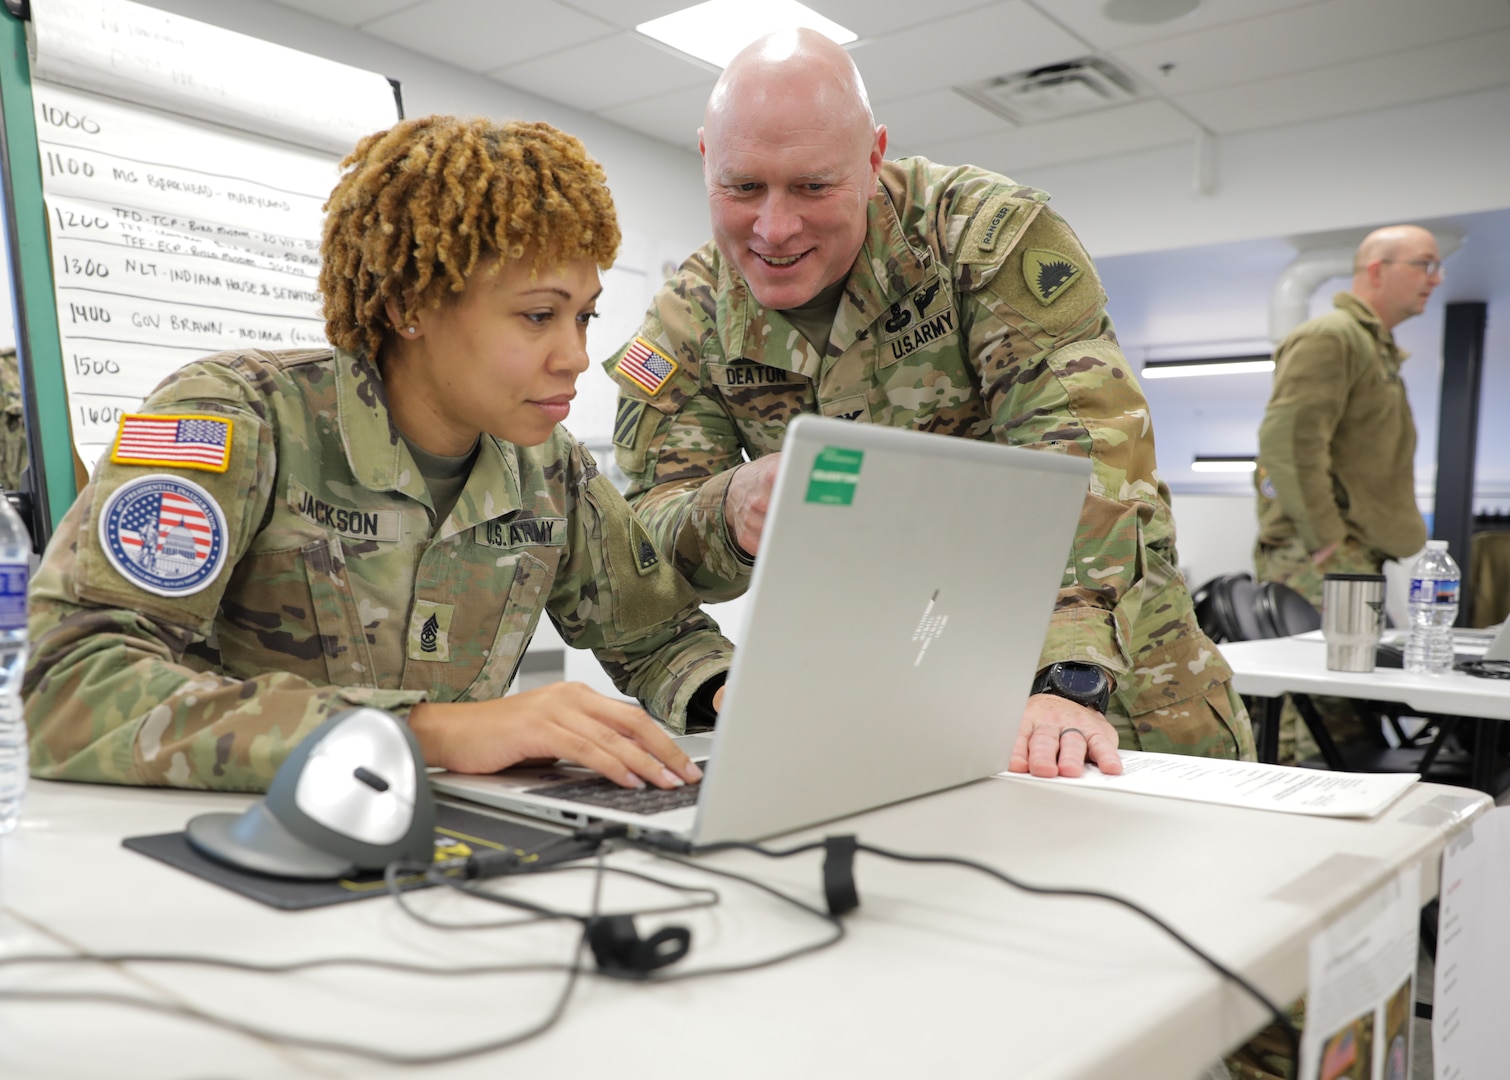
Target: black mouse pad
458,833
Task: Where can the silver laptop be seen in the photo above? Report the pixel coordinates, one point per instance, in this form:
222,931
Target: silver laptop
898,608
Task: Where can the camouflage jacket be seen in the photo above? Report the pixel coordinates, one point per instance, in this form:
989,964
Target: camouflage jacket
972,310
12,423
334,588
1337,446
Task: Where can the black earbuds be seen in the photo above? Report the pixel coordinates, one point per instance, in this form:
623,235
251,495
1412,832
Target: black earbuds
622,953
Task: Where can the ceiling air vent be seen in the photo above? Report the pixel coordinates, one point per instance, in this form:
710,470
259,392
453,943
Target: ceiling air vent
1049,93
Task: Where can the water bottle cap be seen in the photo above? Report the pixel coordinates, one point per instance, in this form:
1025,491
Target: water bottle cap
1436,545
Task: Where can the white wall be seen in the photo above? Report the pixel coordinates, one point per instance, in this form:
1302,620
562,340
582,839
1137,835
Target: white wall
1430,160
657,189
1215,535
1218,295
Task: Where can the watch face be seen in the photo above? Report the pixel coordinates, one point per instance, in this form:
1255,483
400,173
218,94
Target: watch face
1082,680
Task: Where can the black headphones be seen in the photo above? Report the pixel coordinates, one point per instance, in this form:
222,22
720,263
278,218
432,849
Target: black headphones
623,954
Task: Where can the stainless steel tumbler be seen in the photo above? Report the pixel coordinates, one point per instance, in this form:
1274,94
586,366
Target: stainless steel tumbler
1352,618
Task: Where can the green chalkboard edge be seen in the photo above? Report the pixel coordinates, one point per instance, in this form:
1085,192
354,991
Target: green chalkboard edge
53,489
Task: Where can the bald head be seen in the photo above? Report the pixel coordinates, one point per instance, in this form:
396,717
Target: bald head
1388,242
1395,270
791,154
791,68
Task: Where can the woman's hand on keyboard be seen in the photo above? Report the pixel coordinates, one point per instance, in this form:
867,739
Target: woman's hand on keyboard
562,720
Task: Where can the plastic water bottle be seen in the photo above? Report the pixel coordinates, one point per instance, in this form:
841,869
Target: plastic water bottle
1433,609
15,562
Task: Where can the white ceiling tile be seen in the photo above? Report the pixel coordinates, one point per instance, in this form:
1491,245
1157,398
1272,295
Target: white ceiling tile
933,117
1142,125
1306,38
673,118
946,52
347,12
483,35
871,18
1085,18
1456,67
620,69
626,14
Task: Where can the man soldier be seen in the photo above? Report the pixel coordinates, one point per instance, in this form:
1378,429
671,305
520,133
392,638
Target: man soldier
942,299
1336,450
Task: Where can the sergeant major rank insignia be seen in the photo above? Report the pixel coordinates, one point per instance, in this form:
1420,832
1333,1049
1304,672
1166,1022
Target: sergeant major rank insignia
1048,274
646,366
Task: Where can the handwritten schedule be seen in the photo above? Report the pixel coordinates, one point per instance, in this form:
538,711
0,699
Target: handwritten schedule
172,239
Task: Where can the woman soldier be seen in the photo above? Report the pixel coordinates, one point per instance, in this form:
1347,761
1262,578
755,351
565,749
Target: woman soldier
382,522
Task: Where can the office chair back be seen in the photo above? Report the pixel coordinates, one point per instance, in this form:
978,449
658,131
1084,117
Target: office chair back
1281,611
1225,607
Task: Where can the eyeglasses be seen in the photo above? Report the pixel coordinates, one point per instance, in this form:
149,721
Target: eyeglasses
1428,266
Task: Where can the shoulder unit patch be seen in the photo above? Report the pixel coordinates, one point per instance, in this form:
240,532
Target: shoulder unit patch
1048,274
626,421
164,534
646,366
182,442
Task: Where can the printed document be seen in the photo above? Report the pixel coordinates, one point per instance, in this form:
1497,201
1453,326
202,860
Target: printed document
1246,783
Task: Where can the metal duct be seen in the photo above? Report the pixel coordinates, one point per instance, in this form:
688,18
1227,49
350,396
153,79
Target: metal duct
1290,302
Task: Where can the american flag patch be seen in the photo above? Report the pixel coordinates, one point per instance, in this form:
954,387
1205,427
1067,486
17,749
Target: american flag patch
189,442
646,366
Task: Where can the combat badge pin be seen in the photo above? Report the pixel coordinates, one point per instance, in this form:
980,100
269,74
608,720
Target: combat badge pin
1048,274
164,534
646,366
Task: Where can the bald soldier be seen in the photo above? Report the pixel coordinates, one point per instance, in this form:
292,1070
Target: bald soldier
1336,451
941,299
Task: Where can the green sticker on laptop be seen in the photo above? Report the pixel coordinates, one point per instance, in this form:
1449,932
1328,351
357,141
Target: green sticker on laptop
835,475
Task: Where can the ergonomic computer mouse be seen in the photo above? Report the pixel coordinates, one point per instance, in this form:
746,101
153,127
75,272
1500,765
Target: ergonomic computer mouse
352,796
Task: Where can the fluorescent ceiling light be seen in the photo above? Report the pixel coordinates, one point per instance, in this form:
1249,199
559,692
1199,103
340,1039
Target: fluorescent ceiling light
717,30
1232,365
1223,463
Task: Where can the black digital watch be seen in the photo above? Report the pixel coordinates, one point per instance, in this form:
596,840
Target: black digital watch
1084,684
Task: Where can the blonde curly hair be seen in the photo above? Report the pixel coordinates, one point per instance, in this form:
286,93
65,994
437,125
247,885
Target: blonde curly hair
420,204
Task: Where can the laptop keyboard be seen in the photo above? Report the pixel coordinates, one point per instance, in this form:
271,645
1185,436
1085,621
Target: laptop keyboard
598,791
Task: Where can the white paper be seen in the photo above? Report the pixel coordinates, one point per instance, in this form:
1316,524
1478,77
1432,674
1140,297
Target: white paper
1473,952
140,54
171,239
1246,783
1361,994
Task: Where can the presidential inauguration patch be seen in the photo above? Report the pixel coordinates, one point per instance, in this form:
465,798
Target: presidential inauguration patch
184,442
646,366
1048,274
166,535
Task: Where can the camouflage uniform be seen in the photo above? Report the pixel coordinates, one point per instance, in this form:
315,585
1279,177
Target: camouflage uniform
336,589
971,310
12,423
1336,464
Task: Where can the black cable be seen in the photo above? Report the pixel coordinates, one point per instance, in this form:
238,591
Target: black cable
709,898
1291,1032
667,848
1486,669
498,866
752,965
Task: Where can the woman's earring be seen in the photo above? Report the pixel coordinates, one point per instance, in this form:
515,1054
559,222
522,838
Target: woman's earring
411,330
